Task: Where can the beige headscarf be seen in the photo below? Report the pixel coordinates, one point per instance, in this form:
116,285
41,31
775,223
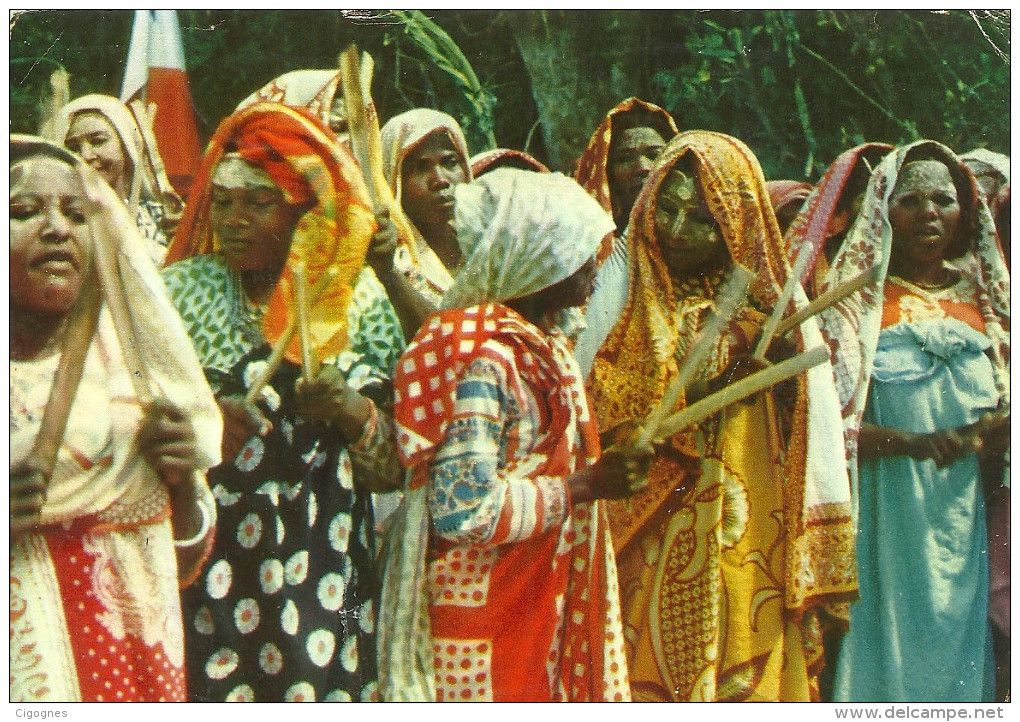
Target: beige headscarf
148,179
403,133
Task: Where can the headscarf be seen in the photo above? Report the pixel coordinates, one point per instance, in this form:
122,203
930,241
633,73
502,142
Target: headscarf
405,132
817,220
308,164
521,232
313,90
498,157
592,168
542,227
148,179
638,359
997,162
853,325
137,327
785,192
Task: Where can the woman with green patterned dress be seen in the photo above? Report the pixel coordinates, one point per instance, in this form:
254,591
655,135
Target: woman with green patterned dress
285,610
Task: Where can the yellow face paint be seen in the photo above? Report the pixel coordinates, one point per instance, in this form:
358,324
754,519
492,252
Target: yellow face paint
686,230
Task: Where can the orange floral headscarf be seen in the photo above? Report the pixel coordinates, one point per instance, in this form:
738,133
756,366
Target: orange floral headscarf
637,361
304,158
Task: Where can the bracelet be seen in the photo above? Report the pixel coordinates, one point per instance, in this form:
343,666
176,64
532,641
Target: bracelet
207,520
370,427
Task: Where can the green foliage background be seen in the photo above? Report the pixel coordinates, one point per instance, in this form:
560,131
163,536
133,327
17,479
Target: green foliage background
797,86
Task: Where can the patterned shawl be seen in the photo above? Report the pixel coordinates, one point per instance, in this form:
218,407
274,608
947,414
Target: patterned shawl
818,220
313,90
638,360
508,220
782,192
139,142
498,157
852,326
308,164
137,327
785,192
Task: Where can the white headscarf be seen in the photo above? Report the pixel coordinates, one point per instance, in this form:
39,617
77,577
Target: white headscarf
521,232
315,90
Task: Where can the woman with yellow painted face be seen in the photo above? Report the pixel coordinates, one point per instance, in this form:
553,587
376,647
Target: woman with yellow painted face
743,533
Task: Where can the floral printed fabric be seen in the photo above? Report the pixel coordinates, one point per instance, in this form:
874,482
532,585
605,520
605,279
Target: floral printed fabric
285,609
506,544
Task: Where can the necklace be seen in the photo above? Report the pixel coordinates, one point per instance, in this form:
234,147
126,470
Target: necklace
947,281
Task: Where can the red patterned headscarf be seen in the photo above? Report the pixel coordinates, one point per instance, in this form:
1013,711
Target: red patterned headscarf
308,164
822,215
500,157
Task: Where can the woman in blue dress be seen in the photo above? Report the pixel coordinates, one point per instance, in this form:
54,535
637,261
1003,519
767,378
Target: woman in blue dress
921,369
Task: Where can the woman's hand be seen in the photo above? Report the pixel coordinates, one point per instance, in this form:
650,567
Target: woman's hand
621,471
383,244
167,441
241,421
27,495
329,399
993,430
943,447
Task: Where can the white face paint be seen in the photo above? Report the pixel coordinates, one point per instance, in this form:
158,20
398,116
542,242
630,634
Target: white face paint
234,172
924,212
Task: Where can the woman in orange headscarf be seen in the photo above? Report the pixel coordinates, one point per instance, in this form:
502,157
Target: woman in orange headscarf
285,611
744,529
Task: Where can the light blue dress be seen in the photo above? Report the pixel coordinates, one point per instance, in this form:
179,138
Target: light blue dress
920,630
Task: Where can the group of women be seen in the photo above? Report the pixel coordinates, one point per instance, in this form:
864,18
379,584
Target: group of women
428,452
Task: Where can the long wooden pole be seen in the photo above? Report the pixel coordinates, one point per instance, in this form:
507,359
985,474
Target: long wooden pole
304,332
78,337
829,298
728,299
748,386
366,139
768,329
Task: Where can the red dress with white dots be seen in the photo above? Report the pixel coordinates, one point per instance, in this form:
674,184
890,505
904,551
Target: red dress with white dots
95,611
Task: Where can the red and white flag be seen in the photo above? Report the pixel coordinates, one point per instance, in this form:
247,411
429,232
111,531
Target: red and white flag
155,73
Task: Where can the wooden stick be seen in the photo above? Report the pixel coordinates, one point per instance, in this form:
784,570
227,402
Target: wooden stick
728,299
78,337
276,357
827,299
366,140
768,330
747,386
304,332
